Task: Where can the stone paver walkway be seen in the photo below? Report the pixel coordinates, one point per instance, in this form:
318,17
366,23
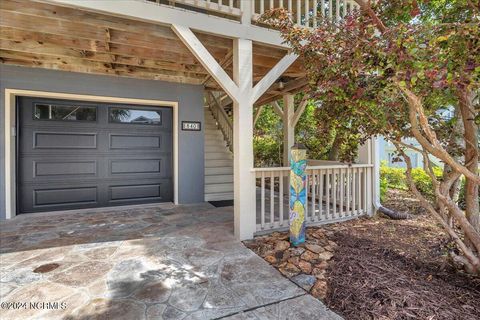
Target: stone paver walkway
173,262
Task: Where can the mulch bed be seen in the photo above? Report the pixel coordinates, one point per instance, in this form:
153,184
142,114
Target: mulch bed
380,268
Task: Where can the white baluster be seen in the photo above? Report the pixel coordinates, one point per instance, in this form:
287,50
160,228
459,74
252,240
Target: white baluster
342,191
314,195
334,190
262,190
280,197
320,197
328,190
272,199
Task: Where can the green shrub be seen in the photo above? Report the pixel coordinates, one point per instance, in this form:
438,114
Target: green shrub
395,178
423,182
267,151
383,188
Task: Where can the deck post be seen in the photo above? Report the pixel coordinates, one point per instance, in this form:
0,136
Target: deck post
243,177
288,128
243,94
367,155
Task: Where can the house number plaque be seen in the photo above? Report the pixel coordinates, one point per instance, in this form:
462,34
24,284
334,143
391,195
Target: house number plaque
191,126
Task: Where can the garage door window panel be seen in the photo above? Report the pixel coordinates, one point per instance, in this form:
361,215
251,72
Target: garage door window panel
64,112
135,116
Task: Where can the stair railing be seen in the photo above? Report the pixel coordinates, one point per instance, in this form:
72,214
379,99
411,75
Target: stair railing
223,121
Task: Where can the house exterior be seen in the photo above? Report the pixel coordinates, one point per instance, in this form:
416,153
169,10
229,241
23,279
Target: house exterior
112,103
388,154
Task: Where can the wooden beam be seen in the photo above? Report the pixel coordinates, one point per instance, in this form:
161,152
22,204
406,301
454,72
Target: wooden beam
298,113
277,109
273,75
171,16
292,86
207,60
45,49
66,14
82,30
225,61
62,46
87,66
257,115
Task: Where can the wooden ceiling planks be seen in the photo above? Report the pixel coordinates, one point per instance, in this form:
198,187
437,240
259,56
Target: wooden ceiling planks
44,35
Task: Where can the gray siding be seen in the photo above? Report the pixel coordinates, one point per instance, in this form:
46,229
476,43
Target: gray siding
189,97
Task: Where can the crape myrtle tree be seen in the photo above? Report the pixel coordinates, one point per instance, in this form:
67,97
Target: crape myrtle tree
396,68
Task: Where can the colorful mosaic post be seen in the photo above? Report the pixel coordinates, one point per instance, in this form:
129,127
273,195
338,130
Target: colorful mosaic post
298,195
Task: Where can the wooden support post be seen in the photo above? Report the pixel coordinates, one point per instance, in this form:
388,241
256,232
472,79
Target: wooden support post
244,179
288,128
244,95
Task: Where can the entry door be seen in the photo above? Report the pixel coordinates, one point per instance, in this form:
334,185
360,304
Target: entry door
74,155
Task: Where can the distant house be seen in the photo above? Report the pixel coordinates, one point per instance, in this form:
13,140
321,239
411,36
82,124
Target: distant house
389,155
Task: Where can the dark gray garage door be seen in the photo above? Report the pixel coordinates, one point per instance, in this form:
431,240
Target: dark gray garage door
75,155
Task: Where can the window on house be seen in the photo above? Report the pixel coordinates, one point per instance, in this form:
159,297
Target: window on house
64,112
136,116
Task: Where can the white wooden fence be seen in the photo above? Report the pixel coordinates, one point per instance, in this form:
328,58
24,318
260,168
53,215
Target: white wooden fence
306,13
334,193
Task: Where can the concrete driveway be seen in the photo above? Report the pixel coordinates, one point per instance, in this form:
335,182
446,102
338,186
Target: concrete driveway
157,262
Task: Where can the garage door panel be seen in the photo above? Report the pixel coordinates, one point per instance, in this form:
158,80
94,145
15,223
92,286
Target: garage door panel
130,141
136,192
65,196
82,164
127,166
64,140
65,168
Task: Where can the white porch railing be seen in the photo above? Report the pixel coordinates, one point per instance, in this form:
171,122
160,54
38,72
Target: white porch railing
226,7
223,121
306,13
334,193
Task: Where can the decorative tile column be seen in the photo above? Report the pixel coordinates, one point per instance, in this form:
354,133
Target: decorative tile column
298,194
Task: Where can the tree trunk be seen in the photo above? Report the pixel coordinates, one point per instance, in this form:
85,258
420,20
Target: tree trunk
334,152
472,207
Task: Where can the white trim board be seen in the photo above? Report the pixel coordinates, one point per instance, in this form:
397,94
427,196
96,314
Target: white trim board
10,117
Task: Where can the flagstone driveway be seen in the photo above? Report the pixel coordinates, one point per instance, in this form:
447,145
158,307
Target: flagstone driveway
162,262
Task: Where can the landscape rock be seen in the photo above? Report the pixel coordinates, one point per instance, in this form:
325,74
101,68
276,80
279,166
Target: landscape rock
305,266
289,270
318,273
315,248
305,281
325,256
319,289
271,259
282,245
309,256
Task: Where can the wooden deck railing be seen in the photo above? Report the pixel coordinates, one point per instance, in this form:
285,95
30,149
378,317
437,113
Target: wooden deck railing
224,7
306,13
334,193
